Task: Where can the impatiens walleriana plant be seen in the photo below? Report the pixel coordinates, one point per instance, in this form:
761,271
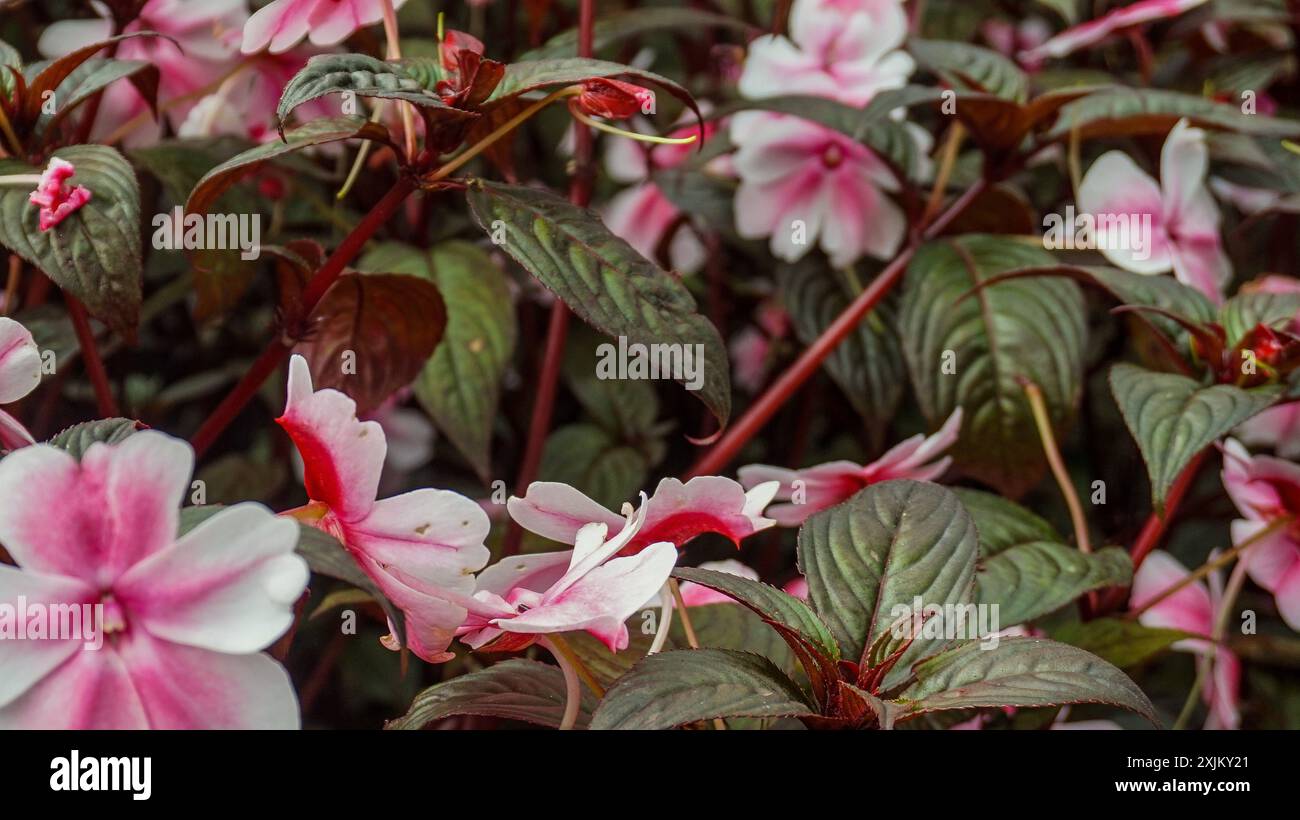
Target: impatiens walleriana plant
512,262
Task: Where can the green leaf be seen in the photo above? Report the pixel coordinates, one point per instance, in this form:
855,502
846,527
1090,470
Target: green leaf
623,25
9,56
675,688
1173,418
868,365
974,67
363,76
535,75
590,459
53,73
603,279
606,666
867,559
78,438
731,626
968,344
460,385
626,409
515,689
98,75
388,324
1119,641
1028,581
1243,312
1003,524
770,603
1119,111
94,253
316,132
1020,672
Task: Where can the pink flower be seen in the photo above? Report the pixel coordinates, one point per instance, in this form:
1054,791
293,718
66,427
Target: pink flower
642,214
206,35
1191,609
1184,220
1265,489
20,372
847,51
56,200
244,105
282,24
421,547
594,591
1094,31
804,185
176,643
817,488
676,513
1009,38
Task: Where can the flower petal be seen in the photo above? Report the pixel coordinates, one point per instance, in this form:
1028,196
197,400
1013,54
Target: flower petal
228,585
1188,609
90,690
20,361
25,662
557,511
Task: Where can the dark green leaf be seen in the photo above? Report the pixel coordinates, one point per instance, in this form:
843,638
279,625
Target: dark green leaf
980,69
1244,311
968,344
534,75
1119,641
589,458
622,25
603,279
675,688
1020,672
1173,418
98,76
515,689
1003,524
1028,581
1120,111
869,558
77,438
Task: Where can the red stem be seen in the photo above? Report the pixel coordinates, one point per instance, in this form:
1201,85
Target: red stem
90,354
557,329
806,365
320,282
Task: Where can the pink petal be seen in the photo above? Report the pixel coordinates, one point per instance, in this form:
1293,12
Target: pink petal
1223,691
678,513
602,599
12,433
184,687
798,587
1277,427
434,536
1287,593
1116,186
342,456
280,25
95,519
536,572
20,361
229,585
90,690
1188,609
26,662
557,511
1094,31
334,21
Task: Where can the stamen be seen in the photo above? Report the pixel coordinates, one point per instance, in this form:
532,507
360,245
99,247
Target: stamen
609,129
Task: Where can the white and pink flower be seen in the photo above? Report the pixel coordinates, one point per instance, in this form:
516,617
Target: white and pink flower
1192,609
813,489
282,24
421,548
589,588
1184,219
20,372
1265,490
1094,31
184,619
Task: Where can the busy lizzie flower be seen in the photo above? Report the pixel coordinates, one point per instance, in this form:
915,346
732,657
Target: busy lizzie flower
181,621
20,372
1191,609
1094,31
56,199
282,24
677,512
588,588
421,548
1266,489
816,488
1184,220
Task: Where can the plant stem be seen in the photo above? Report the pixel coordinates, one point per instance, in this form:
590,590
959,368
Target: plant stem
395,53
11,284
557,328
1210,566
1044,424
107,407
320,282
687,627
578,666
762,410
572,687
1205,666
